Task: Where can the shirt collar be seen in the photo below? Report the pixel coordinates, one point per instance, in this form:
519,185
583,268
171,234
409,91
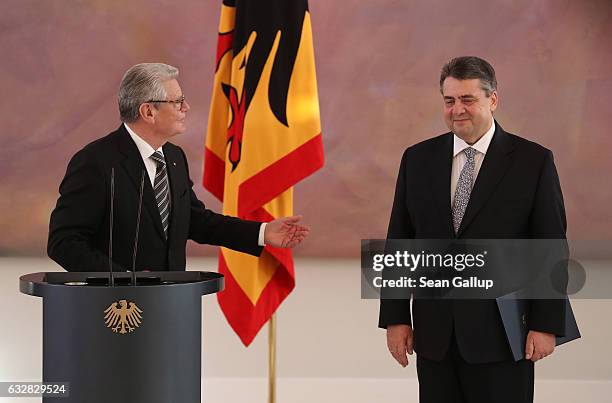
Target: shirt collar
482,145
145,149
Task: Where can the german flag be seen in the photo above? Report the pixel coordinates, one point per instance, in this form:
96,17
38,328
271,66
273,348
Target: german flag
264,136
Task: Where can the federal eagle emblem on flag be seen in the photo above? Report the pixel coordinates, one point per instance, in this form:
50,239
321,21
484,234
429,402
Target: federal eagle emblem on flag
263,137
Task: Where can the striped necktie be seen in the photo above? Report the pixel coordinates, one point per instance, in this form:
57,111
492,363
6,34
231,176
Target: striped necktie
161,188
464,188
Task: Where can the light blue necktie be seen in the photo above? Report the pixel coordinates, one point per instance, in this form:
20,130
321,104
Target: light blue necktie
464,188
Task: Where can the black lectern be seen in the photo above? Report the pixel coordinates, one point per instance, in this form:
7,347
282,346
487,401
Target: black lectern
123,344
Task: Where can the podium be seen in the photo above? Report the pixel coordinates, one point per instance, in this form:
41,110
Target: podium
126,343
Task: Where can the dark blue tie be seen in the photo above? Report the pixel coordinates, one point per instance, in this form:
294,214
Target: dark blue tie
161,188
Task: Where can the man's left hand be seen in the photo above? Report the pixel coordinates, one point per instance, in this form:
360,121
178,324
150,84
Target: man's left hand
539,345
285,232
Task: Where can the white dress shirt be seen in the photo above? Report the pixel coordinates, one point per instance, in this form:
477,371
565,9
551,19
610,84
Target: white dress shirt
459,158
146,151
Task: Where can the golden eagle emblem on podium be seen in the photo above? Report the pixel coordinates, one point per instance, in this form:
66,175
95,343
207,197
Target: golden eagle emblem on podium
123,316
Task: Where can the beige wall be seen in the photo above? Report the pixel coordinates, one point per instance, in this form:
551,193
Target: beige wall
329,348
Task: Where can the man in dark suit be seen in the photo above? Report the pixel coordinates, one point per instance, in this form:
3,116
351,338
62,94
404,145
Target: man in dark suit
153,109
476,181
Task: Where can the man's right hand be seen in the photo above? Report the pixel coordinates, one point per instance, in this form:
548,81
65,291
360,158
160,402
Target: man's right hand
399,342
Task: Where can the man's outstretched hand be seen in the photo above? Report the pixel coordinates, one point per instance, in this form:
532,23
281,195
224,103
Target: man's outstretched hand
285,232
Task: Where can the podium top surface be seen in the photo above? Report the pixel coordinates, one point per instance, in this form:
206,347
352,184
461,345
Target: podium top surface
37,284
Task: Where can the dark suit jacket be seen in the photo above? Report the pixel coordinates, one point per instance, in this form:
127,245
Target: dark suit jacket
516,195
79,227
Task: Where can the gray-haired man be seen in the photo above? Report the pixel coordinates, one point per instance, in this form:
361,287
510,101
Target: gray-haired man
153,109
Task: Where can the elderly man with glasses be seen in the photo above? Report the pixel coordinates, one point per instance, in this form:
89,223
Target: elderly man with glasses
138,157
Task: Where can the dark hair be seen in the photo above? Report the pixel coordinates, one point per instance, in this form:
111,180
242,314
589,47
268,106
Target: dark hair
468,67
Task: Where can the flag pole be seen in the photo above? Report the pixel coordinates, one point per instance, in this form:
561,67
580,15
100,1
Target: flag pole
272,359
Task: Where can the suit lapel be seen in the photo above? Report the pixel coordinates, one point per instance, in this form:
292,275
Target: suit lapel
135,168
493,168
441,165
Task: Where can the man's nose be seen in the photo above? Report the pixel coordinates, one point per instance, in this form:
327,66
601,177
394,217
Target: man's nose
186,106
458,109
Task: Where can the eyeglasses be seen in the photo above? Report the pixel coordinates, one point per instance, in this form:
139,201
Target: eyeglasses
180,102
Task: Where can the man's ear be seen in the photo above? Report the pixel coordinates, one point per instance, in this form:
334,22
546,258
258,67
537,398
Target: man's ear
147,112
494,101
